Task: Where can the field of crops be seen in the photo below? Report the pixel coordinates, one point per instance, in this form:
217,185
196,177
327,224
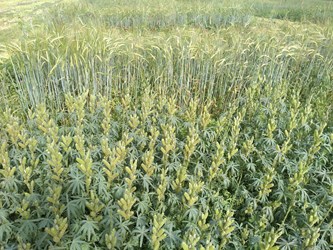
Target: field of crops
167,125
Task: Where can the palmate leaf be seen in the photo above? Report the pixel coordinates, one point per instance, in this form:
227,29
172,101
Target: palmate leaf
142,207
75,207
88,229
5,231
141,221
132,243
233,168
102,184
78,244
123,226
192,213
173,238
174,200
142,233
302,194
77,182
251,167
146,182
287,244
3,215
11,247
27,229
10,184
75,226
254,241
323,244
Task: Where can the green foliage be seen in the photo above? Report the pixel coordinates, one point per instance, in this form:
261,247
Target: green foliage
200,124
252,183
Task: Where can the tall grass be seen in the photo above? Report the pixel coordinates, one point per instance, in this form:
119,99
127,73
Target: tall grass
183,62
153,18
209,49
146,14
320,11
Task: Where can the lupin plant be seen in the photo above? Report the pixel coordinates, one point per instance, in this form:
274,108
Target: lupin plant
111,240
192,240
85,165
205,117
269,241
54,160
161,189
158,233
107,108
202,222
148,162
26,174
154,133
225,224
147,104
95,207
168,142
191,141
218,160
128,200
6,171
235,129
58,230
105,173
125,205
191,112
191,197
110,168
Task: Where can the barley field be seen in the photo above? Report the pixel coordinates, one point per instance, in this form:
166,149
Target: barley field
166,125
